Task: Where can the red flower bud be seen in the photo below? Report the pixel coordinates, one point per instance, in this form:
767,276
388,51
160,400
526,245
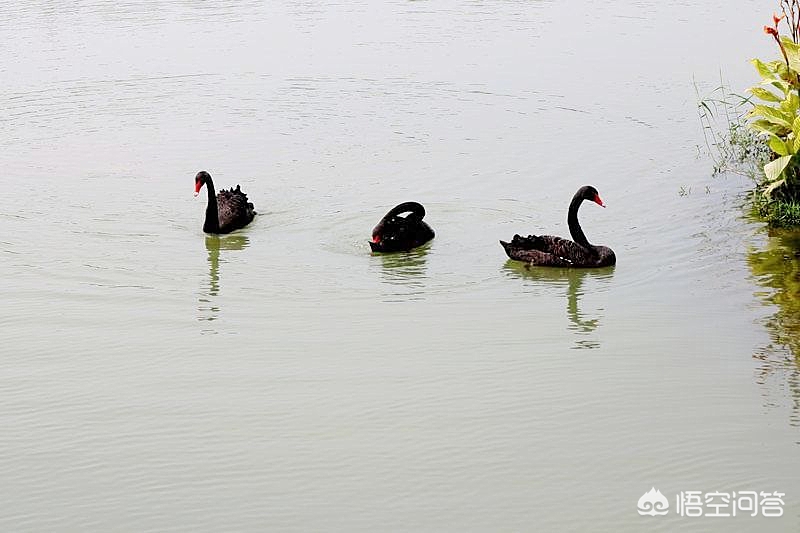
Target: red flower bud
769,30
777,19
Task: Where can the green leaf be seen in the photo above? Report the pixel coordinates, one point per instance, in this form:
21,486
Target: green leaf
774,169
778,146
790,105
762,69
772,186
792,52
789,44
784,87
776,116
765,126
764,94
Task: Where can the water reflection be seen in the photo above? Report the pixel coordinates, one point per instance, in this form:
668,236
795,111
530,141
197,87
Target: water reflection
207,307
777,267
405,273
582,325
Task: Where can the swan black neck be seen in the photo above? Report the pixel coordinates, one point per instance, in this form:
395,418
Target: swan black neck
572,220
414,208
211,225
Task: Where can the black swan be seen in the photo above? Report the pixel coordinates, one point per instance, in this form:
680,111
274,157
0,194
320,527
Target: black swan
547,250
227,211
400,234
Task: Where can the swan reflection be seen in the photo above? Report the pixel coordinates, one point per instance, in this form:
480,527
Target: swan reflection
405,273
207,307
572,279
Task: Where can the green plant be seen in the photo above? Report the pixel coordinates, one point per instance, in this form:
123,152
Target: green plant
759,135
730,141
778,117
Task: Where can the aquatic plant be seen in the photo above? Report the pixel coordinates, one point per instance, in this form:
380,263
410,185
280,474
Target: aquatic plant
776,118
730,142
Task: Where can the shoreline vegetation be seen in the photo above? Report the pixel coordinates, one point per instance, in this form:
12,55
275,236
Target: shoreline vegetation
759,135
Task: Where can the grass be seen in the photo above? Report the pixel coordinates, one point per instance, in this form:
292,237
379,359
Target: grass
778,213
731,144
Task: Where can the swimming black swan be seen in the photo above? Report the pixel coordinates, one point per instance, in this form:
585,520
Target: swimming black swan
226,211
547,250
400,234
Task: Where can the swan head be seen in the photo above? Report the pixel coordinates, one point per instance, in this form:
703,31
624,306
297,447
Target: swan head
587,192
379,239
201,179
389,235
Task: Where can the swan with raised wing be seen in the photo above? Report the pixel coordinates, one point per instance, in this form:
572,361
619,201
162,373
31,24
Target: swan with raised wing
227,211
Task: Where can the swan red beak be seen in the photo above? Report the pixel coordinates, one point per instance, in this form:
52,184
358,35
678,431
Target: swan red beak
598,200
376,238
197,185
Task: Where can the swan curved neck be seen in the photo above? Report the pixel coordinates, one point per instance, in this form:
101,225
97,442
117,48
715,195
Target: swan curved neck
572,221
211,225
414,208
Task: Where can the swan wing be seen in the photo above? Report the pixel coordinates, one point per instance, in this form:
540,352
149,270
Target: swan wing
539,258
235,211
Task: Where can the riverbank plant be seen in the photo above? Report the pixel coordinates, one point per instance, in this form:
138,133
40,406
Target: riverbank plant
775,118
730,142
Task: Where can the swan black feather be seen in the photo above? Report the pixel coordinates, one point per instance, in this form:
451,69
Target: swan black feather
395,233
548,250
227,211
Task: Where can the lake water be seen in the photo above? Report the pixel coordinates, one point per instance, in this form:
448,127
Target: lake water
284,379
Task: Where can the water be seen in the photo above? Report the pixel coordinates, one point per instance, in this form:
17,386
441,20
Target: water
282,378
